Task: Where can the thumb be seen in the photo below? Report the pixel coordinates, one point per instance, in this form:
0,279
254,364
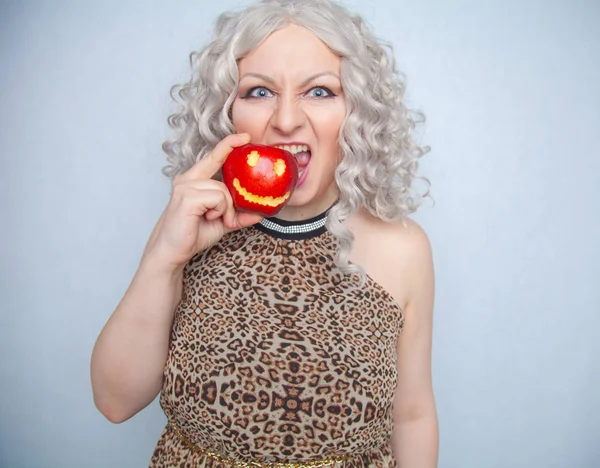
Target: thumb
212,162
243,219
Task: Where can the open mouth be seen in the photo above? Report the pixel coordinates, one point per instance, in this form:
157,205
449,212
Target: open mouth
302,154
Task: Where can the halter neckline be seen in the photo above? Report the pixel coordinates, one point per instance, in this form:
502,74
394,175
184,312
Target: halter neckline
294,230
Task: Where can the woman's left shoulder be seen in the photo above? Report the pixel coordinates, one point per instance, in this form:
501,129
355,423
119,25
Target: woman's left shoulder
411,240
403,239
396,254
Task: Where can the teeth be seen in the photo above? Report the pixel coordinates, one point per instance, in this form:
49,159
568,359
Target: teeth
294,149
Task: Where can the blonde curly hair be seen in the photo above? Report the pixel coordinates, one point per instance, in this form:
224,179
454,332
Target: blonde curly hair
378,160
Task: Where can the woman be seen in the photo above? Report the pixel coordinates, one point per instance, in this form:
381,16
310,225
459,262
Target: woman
303,339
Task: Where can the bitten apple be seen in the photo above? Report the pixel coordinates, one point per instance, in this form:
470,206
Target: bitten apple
260,178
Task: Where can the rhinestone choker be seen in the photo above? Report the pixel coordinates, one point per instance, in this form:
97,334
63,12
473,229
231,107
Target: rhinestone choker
294,230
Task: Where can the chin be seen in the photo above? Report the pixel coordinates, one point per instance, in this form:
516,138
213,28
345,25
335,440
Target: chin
302,196
311,196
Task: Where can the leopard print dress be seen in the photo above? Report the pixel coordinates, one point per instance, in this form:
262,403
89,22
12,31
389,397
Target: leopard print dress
277,357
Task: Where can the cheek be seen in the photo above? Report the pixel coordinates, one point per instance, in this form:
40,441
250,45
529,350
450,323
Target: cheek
328,135
239,118
328,124
248,118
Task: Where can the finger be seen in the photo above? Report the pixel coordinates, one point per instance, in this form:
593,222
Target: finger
229,216
243,219
200,203
232,219
203,185
212,162
184,187
211,215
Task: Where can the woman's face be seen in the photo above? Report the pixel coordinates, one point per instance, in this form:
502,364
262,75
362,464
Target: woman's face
290,95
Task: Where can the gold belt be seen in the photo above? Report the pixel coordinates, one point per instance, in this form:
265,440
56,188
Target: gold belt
252,464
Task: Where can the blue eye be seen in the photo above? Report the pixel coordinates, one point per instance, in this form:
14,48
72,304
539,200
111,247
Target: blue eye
320,92
258,92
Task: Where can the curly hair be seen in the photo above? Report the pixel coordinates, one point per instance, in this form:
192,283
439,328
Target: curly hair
378,156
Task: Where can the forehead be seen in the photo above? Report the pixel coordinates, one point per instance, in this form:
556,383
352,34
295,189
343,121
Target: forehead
292,49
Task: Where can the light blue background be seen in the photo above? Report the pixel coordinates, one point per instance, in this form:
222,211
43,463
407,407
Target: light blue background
511,92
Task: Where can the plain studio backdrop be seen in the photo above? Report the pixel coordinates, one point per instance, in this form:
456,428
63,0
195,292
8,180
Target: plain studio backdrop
510,91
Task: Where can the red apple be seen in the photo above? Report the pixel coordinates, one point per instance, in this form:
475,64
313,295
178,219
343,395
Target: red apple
260,178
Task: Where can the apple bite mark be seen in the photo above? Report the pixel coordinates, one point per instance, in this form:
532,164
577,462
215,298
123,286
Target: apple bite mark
279,167
253,158
265,201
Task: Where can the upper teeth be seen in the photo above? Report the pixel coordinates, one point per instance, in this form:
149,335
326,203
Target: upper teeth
294,149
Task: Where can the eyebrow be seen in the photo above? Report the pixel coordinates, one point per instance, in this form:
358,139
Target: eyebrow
304,83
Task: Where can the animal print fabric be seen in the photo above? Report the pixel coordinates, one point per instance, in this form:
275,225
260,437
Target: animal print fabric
276,356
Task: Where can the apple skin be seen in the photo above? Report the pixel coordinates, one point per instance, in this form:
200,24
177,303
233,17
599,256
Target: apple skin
260,179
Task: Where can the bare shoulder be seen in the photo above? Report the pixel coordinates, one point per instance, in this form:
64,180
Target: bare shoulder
397,255
402,241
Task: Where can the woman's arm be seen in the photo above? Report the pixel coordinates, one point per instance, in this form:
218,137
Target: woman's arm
130,354
415,434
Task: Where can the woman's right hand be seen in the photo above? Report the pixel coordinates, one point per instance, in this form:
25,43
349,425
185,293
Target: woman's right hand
200,211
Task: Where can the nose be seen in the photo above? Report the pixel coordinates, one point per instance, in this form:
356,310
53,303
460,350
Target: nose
287,115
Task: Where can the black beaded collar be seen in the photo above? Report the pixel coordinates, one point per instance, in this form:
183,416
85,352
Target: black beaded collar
294,230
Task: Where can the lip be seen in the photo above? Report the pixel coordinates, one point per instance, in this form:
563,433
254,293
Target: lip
304,175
